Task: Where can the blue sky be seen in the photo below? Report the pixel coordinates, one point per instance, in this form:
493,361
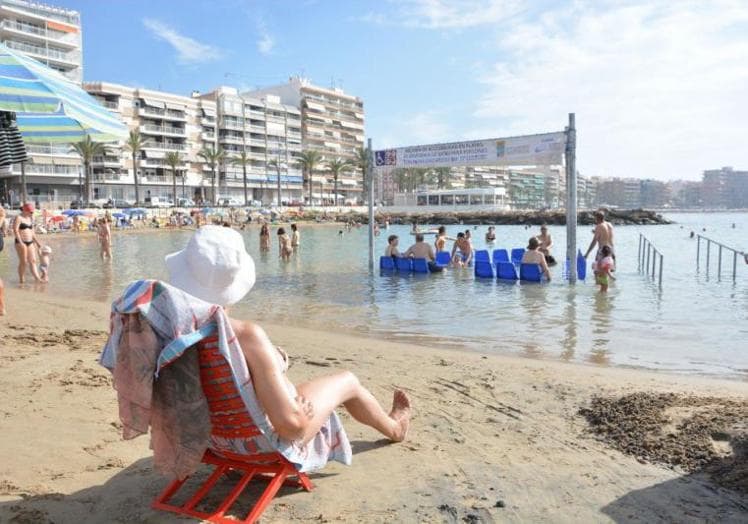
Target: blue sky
659,87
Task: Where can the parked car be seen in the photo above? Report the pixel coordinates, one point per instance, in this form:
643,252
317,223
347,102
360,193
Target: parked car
158,202
117,203
185,202
228,202
80,204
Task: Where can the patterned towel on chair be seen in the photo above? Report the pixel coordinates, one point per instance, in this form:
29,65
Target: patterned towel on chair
158,381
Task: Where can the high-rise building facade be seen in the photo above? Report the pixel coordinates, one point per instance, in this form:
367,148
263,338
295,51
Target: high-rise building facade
51,35
332,123
269,132
167,122
725,188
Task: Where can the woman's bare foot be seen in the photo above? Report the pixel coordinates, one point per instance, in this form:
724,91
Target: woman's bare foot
401,414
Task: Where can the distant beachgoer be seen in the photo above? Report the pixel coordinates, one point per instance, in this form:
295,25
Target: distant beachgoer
284,245
76,224
546,243
391,249
463,249
441,239
340,232
264,238
491,234
376,229
104,231
733,225
25,239
603,236
386,224
414,229
3,227
533,255
295,237
703,229
422,250
603,269
44,262
692,235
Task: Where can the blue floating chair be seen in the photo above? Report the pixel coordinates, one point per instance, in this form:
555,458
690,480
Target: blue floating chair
483,268
530,272
481,255
443,258
386,263
500,255
581,266
517,254
420,265
506,271
403,264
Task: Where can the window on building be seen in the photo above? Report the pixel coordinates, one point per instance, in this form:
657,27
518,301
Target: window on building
461,200
476,200
447,200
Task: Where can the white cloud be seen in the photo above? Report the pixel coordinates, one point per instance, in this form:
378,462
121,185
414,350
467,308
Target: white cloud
265,42
446,14
419,128
189,50
659,88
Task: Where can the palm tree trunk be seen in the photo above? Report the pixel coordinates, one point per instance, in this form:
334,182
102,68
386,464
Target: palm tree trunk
135,177
279,186
184,176
213,186
311,186
87,168
174,184
24,191
335,191
244,174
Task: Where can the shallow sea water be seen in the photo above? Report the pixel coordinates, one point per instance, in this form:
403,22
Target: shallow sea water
696,323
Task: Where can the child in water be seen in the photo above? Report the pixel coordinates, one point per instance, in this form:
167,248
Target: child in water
603,268
44,259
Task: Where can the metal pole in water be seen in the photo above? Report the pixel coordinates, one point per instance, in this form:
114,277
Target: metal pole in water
370,177
719,263
571,198
660,284
698,249
639,258
708,246
734,264
654,262
646,266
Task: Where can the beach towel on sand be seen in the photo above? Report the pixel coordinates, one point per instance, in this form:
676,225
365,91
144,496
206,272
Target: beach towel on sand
153,326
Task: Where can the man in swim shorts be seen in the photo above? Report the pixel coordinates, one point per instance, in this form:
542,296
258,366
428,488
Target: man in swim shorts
603,236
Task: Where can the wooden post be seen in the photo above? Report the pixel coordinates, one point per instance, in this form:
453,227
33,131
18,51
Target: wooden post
571,197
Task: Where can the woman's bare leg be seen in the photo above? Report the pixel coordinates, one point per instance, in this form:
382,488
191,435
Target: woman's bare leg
21,250
31,262
2,297
327,393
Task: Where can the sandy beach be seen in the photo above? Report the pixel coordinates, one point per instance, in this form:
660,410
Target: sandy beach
493,438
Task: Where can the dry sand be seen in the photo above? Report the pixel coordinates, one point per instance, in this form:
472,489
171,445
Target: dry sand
493,438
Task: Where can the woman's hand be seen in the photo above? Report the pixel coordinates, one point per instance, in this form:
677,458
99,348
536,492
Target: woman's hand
306,407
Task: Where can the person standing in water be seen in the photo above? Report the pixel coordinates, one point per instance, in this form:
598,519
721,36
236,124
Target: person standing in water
491,235
104,231
284,245
295,237
264,237
440,243
25,240
602,236
546,243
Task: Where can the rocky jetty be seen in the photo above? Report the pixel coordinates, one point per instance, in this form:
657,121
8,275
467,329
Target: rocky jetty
555,217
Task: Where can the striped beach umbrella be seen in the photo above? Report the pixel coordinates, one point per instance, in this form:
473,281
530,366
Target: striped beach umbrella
51,108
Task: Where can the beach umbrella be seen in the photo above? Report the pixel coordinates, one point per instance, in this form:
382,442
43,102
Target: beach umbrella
51,108
134,211
58,218
206,211
119,215
73,212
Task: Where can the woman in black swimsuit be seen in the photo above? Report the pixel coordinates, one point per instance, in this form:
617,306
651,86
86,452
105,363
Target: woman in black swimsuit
23,229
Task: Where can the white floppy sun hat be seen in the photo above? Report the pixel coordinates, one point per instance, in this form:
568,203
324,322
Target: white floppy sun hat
214,266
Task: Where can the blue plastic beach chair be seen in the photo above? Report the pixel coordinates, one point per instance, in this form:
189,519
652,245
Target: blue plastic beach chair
517,254
530,273
500,255
506,271
420,265
386,263
443,258
403,264
483,269
481,255
581,266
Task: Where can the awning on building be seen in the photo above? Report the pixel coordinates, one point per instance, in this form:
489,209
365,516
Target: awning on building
348,182
175,106
154,103
314,105
351,125
209,111
150,153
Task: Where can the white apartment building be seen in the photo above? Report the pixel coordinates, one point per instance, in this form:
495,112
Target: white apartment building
167,122
51,35
269,132
332,122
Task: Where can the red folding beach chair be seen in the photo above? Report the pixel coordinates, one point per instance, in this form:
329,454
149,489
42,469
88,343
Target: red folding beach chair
229,418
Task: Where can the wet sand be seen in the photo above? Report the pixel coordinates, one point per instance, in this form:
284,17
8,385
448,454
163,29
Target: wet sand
493,438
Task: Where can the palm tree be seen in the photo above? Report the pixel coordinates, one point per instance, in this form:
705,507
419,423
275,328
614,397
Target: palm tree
308,161
87,149
361,162
213,157
242,159
173,160
135,143
443,175
336,167
277,164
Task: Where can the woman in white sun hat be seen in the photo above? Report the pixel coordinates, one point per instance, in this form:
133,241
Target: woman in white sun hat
215,267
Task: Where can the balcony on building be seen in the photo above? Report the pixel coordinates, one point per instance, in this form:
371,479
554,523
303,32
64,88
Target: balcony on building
50,150
164,146
40,33
47,54
162,110
153,129
41,12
